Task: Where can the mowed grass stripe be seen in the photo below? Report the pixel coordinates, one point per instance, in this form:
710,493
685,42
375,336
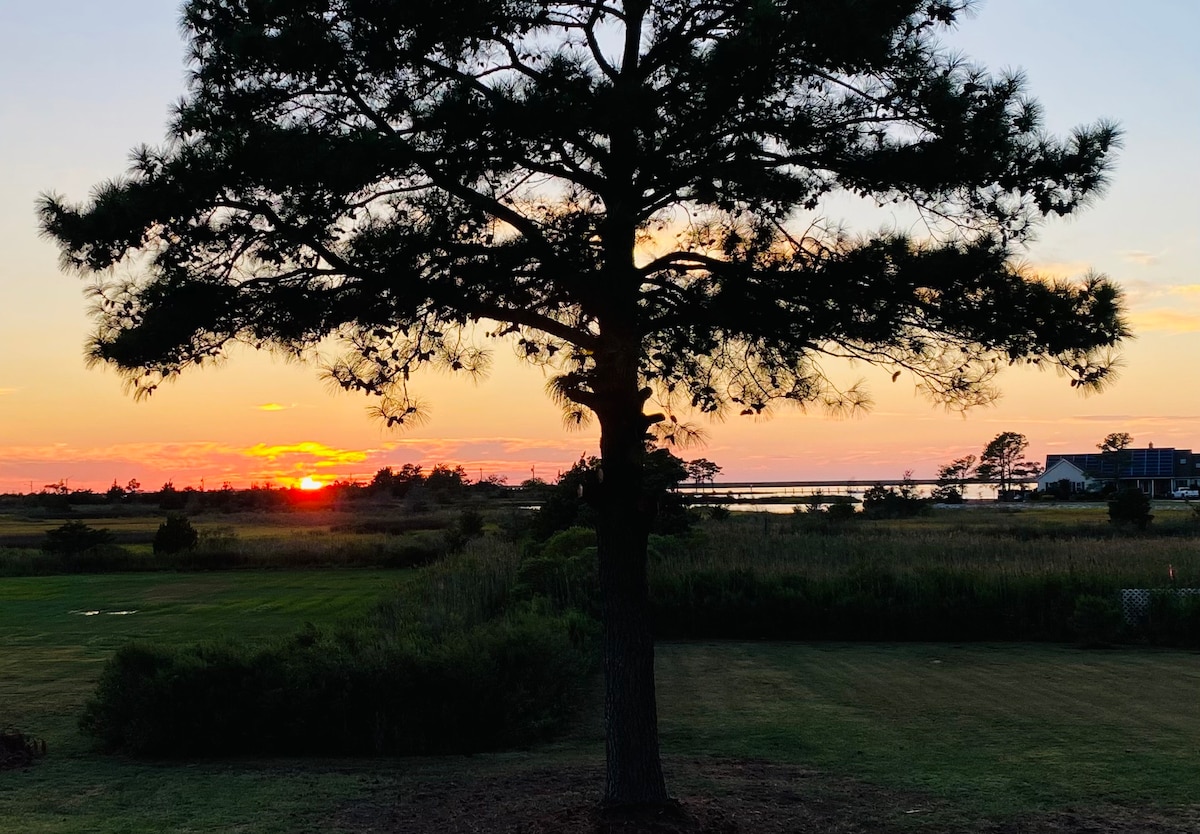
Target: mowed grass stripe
997,728
51,653
50,660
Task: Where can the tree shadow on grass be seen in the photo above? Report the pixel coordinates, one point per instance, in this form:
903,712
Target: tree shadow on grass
717,796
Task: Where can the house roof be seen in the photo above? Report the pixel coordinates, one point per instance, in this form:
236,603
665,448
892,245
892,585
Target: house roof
1133,463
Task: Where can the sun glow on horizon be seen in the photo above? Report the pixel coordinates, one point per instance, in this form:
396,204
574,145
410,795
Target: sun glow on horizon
310,483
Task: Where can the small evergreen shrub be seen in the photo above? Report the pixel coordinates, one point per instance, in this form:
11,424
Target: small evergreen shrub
75,537
470,523
1130,507
175,535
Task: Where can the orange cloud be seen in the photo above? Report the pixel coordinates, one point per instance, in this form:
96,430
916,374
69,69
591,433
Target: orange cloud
325,455
1169,321
274,407
1059,269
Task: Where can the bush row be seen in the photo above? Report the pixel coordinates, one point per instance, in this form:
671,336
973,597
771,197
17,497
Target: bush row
499,684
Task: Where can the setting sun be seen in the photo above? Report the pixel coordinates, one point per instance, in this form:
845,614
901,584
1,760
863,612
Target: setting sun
309,482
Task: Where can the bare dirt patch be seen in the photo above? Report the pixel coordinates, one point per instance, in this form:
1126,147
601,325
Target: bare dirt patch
717,796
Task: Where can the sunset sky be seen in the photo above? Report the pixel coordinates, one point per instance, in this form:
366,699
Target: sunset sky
83,82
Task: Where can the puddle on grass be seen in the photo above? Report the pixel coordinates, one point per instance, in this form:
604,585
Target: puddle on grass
94,612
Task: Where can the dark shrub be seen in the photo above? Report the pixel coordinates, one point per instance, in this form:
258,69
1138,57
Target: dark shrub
18,749
1174,619
174,535
74,538
1130,507
880,502
563,570
503,683
1096,621
414,554
566,504
946,494
840,511
468,525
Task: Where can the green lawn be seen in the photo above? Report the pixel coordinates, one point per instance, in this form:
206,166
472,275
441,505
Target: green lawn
56,631
51,653
995,728
987,730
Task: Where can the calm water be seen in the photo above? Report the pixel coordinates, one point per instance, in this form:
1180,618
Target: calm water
753,498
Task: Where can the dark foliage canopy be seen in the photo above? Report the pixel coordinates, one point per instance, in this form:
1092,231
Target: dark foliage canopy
1003,460
593,179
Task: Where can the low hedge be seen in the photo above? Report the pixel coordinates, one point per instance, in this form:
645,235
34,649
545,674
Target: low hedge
499,684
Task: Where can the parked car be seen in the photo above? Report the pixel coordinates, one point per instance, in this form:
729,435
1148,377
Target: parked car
1185,493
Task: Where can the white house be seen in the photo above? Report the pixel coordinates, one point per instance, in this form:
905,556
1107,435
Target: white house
1063,470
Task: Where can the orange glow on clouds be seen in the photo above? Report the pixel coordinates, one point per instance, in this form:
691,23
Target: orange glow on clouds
1166,321
325,455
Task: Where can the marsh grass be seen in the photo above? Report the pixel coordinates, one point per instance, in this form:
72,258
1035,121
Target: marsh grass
471,587
983,543
958,575
229,547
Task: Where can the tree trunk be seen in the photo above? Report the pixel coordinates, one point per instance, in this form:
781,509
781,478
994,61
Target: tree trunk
634,771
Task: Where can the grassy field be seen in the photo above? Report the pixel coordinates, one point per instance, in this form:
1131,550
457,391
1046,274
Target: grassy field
51,652
56,631
138,524
995,729
983,730
306,538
